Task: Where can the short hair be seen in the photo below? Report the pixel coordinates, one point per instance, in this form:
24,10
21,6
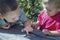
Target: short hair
55,3
7,5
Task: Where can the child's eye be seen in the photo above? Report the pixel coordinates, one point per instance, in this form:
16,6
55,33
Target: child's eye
48,9
45,3
13,18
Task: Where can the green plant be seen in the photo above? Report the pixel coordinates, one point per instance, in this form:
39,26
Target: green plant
31,7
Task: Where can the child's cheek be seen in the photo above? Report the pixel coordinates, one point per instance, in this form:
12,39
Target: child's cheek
51,13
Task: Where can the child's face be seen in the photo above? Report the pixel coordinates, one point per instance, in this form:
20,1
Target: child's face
13,16
51,10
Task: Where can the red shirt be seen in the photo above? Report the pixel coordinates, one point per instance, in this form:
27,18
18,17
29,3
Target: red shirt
49,22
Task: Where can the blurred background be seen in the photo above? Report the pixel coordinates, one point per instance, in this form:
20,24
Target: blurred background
31,7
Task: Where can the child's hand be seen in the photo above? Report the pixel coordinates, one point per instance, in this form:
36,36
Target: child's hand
6,26
47,32
36,25
27,29
51,33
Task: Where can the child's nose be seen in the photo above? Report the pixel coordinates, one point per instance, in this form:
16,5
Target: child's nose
16,19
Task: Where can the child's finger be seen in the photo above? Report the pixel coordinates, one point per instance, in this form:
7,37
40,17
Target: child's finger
27,32
23,30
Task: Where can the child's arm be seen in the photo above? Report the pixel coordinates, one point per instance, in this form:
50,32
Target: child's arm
52,33
29,26
26,22
35,25
55,33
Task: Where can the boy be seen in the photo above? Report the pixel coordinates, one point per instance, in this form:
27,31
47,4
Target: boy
10,14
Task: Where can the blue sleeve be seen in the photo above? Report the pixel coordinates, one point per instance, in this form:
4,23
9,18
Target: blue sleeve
22,16
2,22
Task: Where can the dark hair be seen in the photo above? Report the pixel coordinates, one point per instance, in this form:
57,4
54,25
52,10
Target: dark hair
55,3
7,5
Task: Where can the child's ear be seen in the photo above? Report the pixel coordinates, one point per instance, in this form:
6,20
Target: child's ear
1,16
